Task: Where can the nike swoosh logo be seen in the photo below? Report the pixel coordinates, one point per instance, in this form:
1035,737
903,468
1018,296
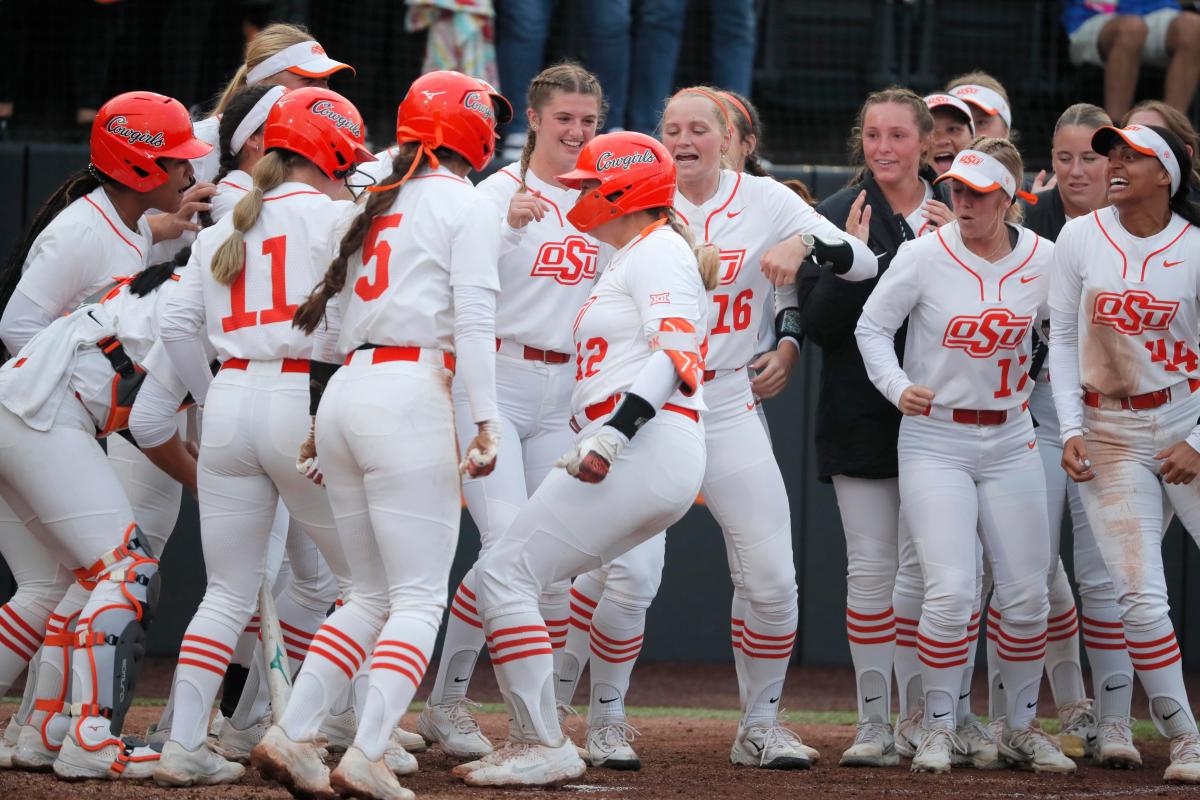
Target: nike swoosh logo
964,696
1169,264
774,699
1032,444
1031,705
609,700
461,680
757,746
749,406
1173,713
732,214
1114,688
872,699
564,680
943,714
1029,278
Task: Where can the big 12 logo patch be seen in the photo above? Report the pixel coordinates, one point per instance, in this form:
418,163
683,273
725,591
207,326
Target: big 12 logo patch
981,336
568,261
1133,311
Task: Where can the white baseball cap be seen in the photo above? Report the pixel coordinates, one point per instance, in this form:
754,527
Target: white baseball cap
303,58
981,172
989,100
948,100
1146,141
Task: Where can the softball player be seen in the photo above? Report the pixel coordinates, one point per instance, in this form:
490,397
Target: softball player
968,461
92,228
953,129
1102,728
756,222
414,286
82,378
1124,302
990,111
249,273
547,268
636,407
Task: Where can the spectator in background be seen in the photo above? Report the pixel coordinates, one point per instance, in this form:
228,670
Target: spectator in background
1120,37
460,36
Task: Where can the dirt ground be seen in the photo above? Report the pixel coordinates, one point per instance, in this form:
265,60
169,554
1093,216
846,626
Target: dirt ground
683,756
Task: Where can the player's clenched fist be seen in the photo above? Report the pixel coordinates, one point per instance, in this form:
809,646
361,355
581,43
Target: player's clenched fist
592,457
526,207
915,400
480,459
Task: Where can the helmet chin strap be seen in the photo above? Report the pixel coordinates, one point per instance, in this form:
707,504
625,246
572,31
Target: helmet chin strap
423,149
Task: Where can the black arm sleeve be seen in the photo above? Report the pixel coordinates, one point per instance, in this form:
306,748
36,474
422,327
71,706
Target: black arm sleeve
632,414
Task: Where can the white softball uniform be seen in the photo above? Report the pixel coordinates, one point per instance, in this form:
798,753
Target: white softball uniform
569,527
230,190
418,297
1124,315
255,416
971,462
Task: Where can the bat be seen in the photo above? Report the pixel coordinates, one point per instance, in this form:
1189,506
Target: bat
275,657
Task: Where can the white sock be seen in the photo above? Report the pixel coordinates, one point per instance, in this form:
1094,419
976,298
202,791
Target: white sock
398,664
617,634
872,636
460,646
768,637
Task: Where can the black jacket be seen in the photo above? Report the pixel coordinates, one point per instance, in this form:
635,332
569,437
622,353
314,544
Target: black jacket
857,427
1046,217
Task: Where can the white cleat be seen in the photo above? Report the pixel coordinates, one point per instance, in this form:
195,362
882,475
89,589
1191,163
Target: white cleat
609,746
355,776
1078,728
980,747
1114,747
1033,749
200,767
936,751
769,745
1185,760
523,764
8,743
908,731
874,746
397,757
114,760
338,730
412,742
32,754
296,765
454,729
235,744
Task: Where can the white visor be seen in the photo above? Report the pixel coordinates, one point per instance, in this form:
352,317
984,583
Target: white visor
987,99
943,100
1144,140
254,118
303,58
981,172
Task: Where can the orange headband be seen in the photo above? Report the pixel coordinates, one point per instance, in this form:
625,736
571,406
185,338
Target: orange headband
740,107
715,99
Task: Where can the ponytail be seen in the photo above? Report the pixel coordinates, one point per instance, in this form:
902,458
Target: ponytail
230,258
708,255
82,183
526,154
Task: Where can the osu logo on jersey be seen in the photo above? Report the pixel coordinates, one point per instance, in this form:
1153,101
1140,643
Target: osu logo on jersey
568,262
981,336
1133,311
731,265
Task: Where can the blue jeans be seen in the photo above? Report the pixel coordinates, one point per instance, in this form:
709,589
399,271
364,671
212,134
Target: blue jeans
522,27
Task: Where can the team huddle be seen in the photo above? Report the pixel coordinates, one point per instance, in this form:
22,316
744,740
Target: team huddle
330,348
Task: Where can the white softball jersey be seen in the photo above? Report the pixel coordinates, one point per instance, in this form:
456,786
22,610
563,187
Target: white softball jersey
76,255
650,279
232,188
1125,311
547,268
747,216
969,320
438,234
287,251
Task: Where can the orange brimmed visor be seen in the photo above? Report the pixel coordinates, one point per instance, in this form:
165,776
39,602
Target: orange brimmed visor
981,172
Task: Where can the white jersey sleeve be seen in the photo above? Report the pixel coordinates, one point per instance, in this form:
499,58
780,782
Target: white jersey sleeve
232,188
889,305
1066,290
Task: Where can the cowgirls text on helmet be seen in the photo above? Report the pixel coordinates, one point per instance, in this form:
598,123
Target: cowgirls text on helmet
635,173
133,130
452,110
320,125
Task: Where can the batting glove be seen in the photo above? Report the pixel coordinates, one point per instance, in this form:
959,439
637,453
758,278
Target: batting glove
480,459
592,458
306,462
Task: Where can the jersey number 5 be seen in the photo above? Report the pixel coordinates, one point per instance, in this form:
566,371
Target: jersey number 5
280,310
382,253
